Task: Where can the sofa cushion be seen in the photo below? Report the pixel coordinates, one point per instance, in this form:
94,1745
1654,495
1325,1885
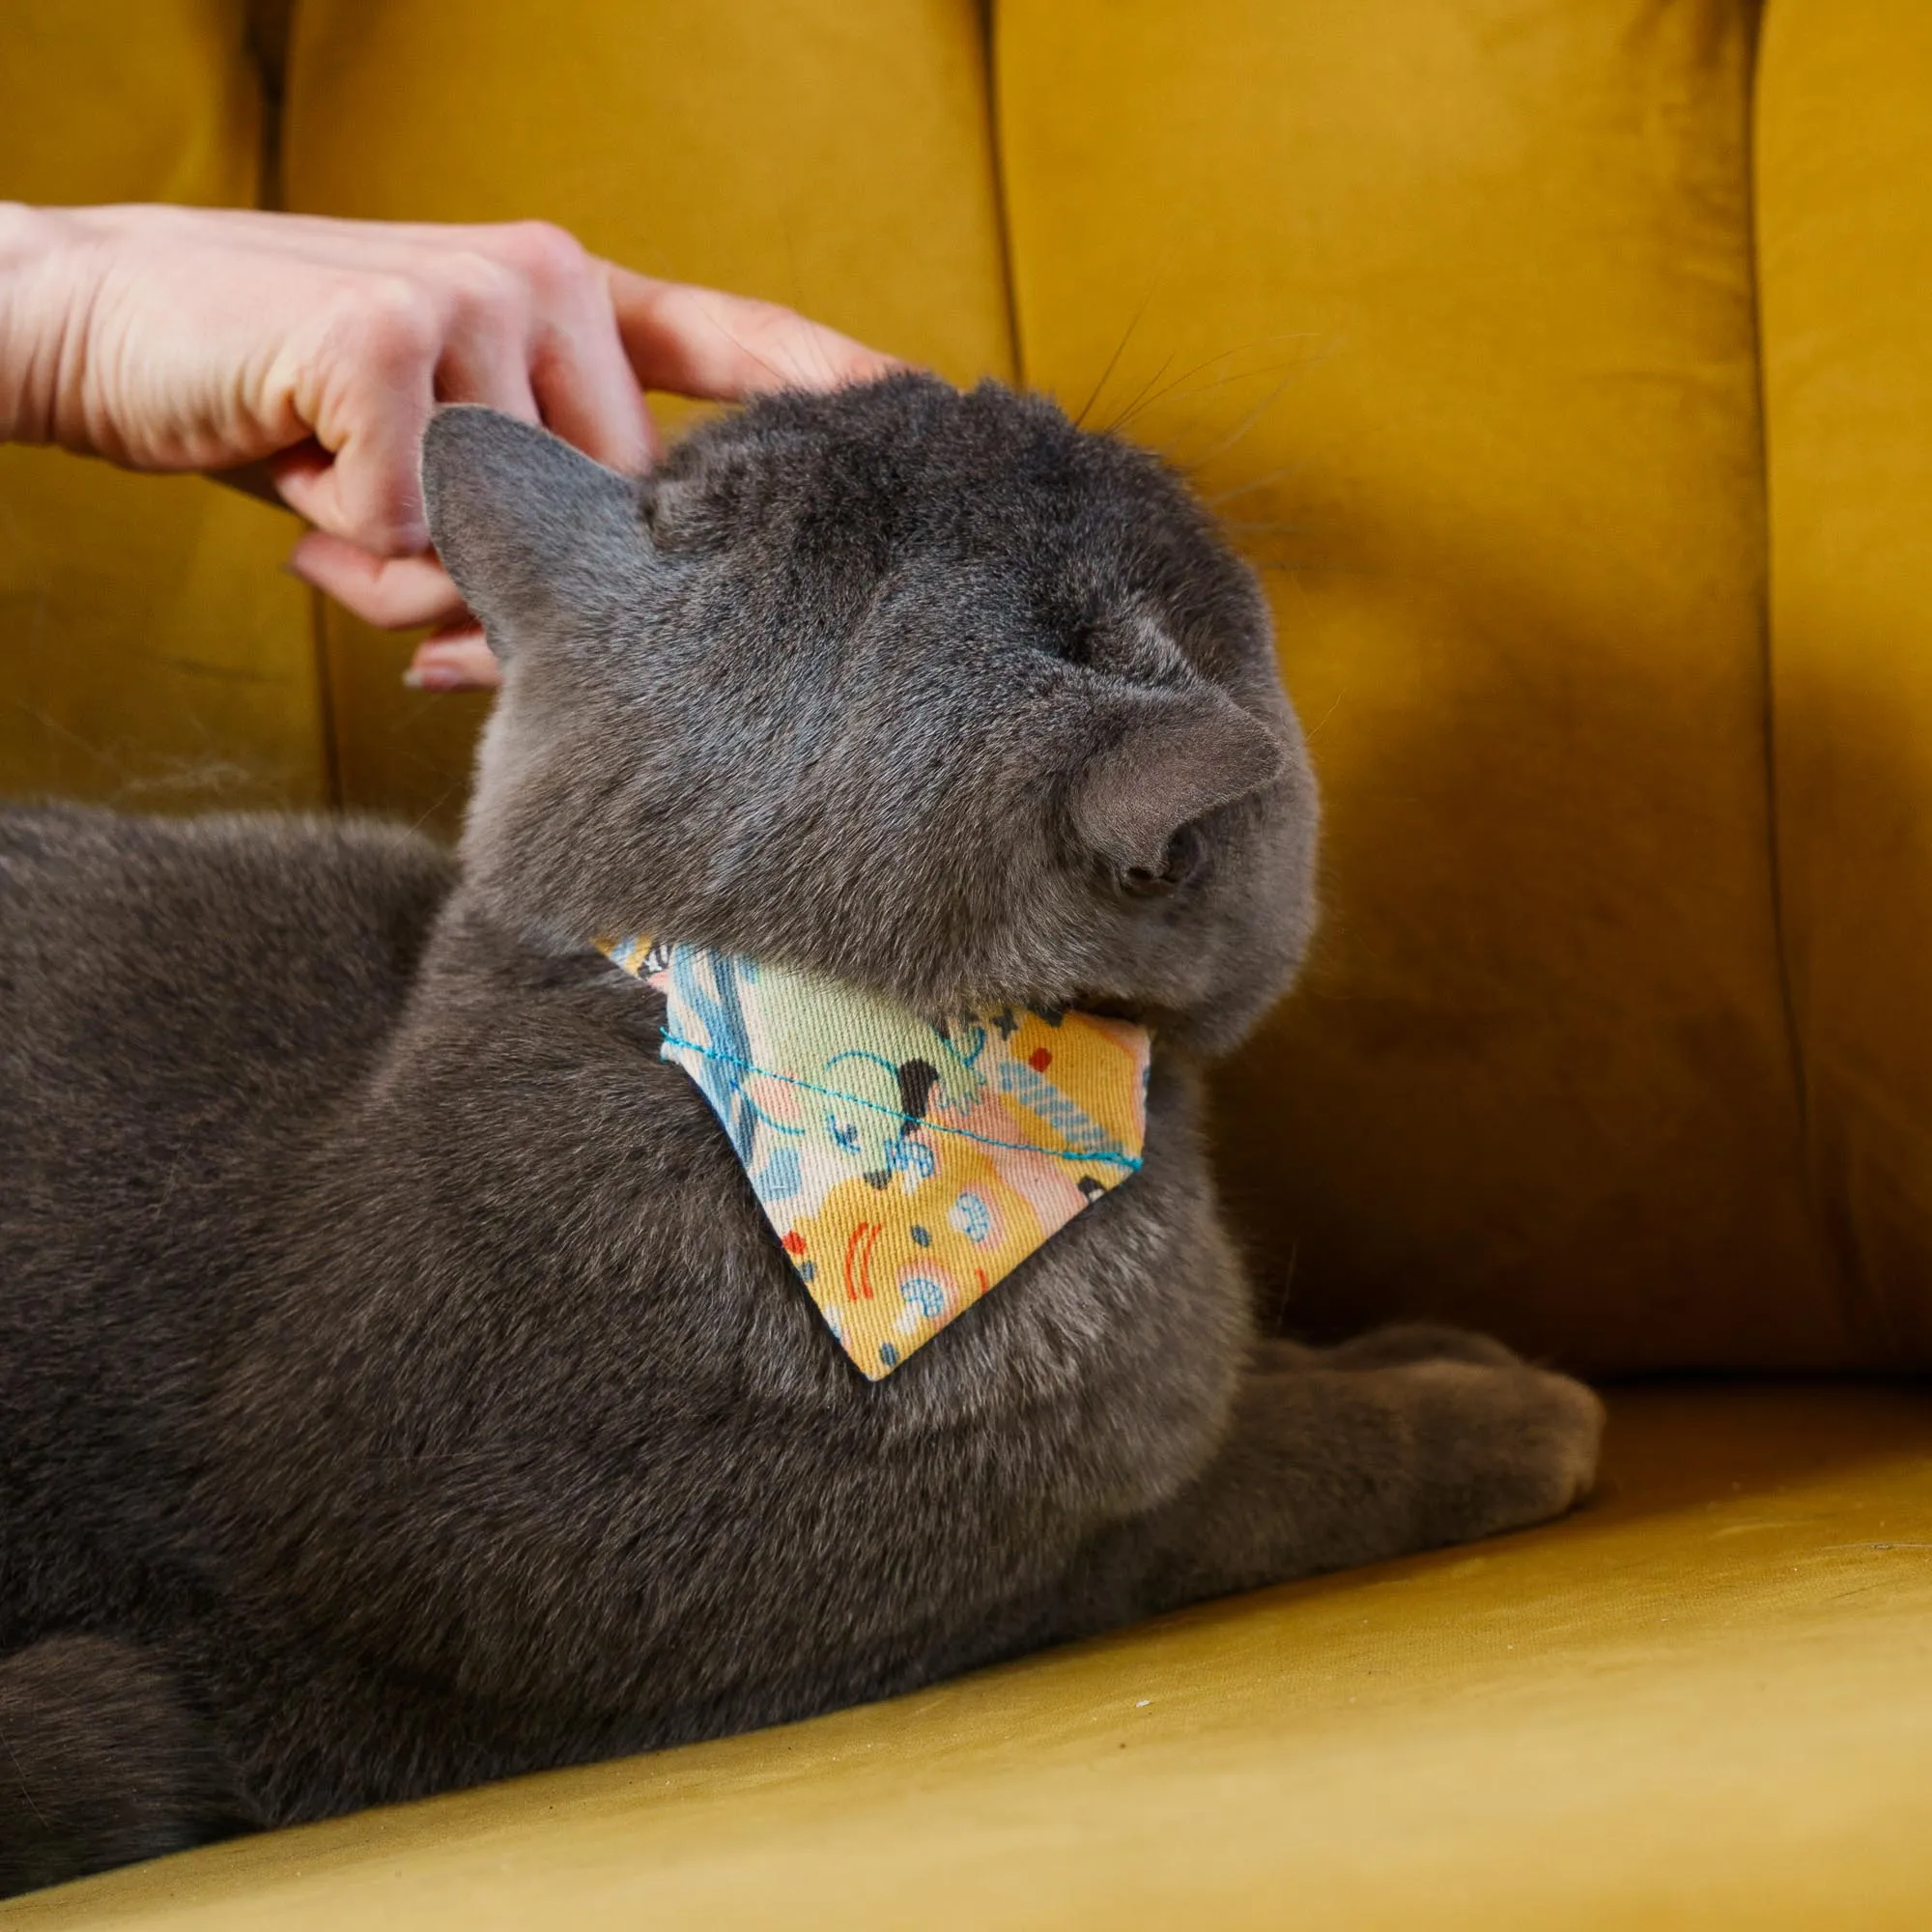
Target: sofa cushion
1844,153
1451,310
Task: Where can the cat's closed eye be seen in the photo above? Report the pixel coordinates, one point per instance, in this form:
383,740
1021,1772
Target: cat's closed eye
1079,640
1129,644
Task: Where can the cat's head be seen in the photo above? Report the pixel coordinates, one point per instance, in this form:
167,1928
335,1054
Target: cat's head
928,690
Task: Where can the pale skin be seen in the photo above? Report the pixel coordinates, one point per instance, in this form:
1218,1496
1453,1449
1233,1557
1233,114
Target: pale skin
300,356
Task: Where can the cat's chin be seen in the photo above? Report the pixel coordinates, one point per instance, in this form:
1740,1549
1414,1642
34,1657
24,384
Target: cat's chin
1206,1033
1110,1007
1164,1023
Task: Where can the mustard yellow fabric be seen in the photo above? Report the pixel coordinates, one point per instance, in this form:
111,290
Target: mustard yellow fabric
834,155
1844,160
1705,1702
1451,309
151,651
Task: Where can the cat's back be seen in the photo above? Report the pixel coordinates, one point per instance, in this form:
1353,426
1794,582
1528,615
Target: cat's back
169,985
180,1001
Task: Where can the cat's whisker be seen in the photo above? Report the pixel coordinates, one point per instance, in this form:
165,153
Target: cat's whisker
1252,484
1175,391
1126,415
1120,349
1243,427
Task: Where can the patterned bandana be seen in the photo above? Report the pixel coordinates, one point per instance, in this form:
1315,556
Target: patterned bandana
905,1167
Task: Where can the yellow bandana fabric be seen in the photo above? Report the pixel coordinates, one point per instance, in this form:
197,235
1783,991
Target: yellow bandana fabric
904,1166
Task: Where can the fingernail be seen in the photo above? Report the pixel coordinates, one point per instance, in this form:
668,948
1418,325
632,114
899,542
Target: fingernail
433,677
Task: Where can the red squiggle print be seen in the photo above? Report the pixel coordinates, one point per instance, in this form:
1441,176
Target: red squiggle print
868,1232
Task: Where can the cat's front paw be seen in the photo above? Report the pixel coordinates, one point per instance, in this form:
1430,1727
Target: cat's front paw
1498,1448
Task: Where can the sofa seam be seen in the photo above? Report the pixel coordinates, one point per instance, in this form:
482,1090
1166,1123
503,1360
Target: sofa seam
1766,654
988,12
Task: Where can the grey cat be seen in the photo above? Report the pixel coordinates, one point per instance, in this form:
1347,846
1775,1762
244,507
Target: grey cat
399,1385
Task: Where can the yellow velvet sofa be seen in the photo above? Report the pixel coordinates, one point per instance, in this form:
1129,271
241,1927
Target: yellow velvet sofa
1567,366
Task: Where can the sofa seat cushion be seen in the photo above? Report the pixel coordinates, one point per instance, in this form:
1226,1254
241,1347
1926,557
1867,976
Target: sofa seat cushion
1705,1700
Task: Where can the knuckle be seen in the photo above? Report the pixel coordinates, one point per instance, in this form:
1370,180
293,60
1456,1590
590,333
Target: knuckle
550,256
485,290
393,320
782,337
768,317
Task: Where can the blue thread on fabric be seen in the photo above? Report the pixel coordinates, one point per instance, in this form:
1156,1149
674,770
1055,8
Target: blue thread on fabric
1095,1158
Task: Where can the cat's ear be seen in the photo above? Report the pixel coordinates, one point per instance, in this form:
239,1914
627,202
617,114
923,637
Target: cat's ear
538,537
1174,753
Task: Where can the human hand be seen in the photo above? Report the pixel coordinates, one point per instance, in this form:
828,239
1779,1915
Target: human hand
302,356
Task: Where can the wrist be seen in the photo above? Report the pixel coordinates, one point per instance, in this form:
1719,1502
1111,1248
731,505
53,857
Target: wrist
42,309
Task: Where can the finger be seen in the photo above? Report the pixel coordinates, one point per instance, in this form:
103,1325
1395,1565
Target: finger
456,659
394,353
588,396
392,593
304,478
357,475
534,336
484,361
719,348
583,381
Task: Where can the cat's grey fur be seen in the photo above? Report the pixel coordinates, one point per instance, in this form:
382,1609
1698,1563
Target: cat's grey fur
399,1385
